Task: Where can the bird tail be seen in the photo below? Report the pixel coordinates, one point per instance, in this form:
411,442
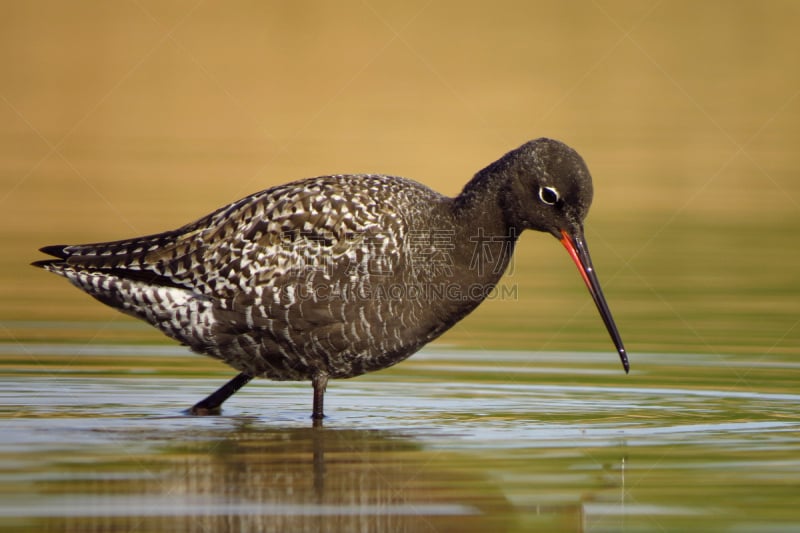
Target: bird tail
122,275
142,259
53,265
107,255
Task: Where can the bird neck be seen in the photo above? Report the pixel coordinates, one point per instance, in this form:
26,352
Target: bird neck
484,237
483,203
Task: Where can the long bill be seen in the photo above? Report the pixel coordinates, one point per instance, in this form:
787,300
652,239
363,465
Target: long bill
576,246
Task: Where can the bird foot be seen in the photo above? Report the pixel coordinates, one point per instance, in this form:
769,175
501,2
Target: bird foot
202,410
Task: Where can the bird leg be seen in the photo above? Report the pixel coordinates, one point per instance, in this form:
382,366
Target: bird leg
211,404
320,383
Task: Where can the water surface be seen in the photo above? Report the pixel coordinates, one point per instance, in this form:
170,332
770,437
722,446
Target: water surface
448,441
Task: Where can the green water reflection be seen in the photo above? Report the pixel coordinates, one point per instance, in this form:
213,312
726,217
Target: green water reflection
448,441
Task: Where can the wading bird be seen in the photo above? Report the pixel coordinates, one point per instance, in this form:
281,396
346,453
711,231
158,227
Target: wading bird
335,276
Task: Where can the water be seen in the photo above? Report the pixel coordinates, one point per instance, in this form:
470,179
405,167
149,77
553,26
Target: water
447,441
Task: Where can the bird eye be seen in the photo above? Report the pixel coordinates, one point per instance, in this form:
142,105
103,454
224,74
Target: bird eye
548,195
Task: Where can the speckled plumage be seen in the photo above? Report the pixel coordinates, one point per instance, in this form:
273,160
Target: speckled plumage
334,276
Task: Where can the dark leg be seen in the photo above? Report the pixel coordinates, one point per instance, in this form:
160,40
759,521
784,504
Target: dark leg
211,404
318,442
320,382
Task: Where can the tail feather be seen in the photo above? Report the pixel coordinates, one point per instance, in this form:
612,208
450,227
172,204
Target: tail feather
47,264
140,253
144,259
56,250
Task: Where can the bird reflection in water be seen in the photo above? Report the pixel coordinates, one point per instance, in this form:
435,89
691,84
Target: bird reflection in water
289,479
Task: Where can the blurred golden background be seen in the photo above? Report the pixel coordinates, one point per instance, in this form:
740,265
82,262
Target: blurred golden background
126,118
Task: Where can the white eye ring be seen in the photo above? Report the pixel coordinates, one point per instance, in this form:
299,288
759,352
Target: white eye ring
549,195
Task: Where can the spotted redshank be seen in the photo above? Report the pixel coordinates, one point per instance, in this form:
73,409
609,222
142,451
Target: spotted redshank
335,276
